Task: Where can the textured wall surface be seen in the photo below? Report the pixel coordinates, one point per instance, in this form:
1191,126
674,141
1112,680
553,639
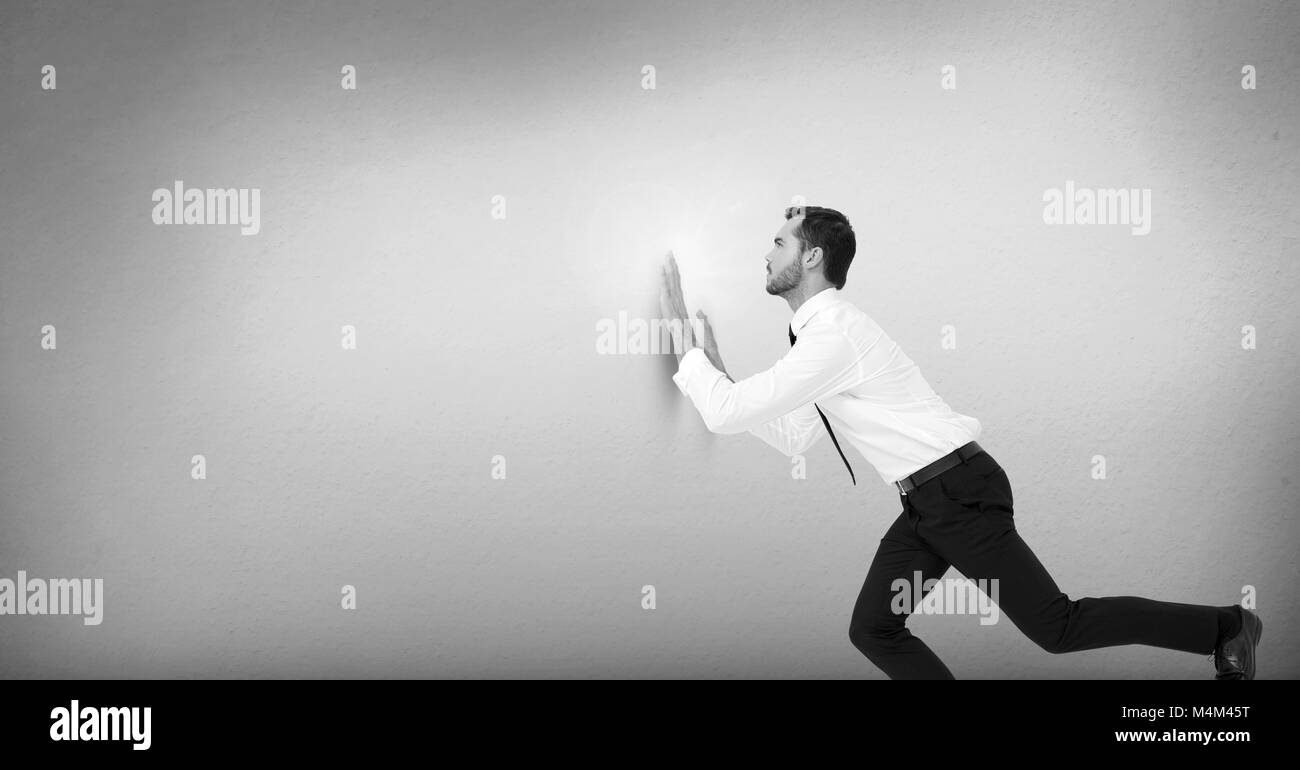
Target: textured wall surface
476,336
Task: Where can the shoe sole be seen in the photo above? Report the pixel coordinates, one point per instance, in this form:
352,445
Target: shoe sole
1259,634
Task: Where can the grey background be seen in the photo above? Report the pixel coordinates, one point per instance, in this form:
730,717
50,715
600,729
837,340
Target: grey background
477,336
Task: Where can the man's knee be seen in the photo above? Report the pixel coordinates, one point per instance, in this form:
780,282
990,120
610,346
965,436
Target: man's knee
1048,631
1051,644
1049,637
876,635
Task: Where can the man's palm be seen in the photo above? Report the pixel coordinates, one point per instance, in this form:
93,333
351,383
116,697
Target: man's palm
672,306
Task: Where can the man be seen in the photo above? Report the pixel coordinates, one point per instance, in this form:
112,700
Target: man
844,377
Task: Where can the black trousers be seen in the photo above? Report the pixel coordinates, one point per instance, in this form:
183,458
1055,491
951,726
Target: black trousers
963,518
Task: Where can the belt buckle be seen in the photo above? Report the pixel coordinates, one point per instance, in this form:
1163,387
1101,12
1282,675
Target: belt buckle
899,484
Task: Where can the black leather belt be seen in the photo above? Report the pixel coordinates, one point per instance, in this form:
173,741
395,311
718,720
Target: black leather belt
951,460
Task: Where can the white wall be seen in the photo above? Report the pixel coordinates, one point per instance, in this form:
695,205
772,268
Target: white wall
476,337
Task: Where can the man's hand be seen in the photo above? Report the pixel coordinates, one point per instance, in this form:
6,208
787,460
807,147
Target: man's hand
709,344
672,305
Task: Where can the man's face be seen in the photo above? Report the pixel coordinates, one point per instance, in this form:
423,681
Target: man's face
784,268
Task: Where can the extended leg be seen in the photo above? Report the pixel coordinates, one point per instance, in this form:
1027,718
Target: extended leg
974,530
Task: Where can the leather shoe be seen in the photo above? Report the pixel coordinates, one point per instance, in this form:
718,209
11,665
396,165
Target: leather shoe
1235,658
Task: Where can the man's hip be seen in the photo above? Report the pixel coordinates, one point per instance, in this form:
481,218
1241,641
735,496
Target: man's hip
960,456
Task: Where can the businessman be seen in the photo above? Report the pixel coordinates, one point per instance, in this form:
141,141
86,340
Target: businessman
843,377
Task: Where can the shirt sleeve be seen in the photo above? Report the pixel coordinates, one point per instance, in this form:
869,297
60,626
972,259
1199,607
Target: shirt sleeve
794,432
821,363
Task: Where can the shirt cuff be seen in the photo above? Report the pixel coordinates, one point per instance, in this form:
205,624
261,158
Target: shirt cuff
693,363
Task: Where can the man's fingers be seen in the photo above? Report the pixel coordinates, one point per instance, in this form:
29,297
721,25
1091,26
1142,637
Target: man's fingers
705,327
671,292
673,274
671,283
672,302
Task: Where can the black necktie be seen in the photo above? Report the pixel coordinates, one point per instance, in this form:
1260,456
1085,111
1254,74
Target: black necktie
828,427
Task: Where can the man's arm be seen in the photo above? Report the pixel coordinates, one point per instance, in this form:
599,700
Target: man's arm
775,405
822,363
792,433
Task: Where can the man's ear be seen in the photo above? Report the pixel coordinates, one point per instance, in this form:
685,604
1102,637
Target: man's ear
812,257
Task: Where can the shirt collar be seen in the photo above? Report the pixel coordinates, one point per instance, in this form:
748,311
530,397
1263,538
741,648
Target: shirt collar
810,307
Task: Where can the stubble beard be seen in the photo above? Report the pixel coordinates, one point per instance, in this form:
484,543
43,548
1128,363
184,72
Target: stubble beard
787,280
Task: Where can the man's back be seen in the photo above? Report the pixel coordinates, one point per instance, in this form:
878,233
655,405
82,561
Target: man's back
887,411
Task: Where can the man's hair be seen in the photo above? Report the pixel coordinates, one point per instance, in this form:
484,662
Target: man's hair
830,230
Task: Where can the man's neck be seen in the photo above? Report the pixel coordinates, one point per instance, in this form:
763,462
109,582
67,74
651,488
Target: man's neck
803,292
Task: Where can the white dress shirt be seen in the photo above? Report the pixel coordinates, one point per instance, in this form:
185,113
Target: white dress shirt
873,395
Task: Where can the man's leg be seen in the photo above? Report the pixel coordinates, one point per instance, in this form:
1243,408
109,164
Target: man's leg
968,520
876,629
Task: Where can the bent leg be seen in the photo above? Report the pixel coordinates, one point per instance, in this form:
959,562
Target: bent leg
877,630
